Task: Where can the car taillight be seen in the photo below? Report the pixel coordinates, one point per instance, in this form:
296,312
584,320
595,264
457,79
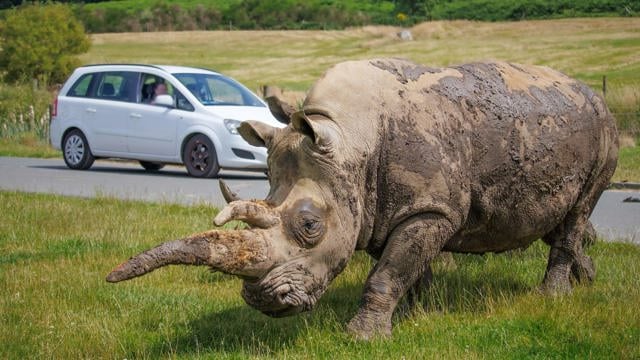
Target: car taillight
53,109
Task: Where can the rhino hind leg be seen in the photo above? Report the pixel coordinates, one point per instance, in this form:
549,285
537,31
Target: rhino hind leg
590,236
415,295
567,260
419,288
403,264
583,270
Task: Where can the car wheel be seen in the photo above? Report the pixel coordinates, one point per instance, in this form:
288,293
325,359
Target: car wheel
151,166
76,151
199,157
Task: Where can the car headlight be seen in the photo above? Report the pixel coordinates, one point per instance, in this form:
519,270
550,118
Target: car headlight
232,125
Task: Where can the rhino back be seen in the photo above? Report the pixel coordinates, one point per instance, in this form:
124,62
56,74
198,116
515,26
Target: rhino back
539,141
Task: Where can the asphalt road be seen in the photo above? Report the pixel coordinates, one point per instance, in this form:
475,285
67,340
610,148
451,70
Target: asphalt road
613,218
126,180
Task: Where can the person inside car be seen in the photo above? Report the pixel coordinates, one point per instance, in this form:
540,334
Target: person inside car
159,89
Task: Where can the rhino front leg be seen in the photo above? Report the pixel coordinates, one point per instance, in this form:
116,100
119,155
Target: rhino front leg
409,249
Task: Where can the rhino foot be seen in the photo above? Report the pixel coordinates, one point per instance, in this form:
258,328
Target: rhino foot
556,279
366,325
555,288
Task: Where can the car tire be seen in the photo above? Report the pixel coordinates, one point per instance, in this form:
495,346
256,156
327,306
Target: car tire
199,156
151,166
76,151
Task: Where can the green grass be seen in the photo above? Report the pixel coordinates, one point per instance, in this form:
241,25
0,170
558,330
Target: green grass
628,165
56,251
27,145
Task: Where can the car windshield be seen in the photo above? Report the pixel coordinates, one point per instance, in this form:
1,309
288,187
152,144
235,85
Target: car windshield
211,89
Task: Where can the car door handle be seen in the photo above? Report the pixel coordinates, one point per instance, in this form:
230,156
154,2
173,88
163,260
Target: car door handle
91,110
136,115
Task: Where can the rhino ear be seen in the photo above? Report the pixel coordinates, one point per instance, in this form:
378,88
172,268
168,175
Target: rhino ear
280,109
256,133
317,128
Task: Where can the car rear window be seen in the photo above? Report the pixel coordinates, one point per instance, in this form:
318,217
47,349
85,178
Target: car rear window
81,87
118,85
111,85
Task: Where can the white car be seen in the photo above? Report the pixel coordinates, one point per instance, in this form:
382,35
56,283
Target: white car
113,111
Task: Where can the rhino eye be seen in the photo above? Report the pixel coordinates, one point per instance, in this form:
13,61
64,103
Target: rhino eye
308,229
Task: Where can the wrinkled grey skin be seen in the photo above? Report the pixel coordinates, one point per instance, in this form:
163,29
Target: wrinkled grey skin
405,161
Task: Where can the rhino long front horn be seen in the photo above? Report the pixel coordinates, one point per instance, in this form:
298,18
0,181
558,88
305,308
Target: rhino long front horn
254,213
241,252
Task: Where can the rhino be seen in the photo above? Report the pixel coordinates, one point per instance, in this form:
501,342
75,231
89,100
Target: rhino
406,161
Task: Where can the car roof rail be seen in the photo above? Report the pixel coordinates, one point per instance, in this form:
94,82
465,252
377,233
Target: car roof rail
124,64
159,67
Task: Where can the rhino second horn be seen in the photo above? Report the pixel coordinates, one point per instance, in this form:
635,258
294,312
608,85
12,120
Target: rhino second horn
254,213
228,195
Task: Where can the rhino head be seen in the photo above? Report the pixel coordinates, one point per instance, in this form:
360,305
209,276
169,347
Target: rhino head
299,238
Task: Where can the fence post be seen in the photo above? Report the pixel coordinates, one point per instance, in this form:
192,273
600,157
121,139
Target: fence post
604,85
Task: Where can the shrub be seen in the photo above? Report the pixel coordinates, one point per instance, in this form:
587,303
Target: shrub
40,42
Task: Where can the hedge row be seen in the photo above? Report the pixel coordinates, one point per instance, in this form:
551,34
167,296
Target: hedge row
333,14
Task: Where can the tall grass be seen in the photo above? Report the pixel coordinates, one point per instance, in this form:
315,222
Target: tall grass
24,121
624,102
56,251
24,109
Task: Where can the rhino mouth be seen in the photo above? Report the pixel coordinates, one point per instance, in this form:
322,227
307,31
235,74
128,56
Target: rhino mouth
285,291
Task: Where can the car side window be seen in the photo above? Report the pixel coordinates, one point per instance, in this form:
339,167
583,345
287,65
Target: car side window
153,85
117,85
81,86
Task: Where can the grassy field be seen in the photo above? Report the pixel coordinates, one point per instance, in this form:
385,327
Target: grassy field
56,251
584,48
628,169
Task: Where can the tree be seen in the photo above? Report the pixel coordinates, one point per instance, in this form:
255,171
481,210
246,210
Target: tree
41,41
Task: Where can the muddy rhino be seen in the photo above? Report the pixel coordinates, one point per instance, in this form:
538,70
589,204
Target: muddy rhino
406,161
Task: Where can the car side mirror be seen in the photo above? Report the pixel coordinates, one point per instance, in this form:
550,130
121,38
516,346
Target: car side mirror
164,100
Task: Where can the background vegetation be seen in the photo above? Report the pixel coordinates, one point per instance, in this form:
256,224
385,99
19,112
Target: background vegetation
40,43
155,15
56,251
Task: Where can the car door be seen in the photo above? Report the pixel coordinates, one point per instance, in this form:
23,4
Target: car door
152,130
114,95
